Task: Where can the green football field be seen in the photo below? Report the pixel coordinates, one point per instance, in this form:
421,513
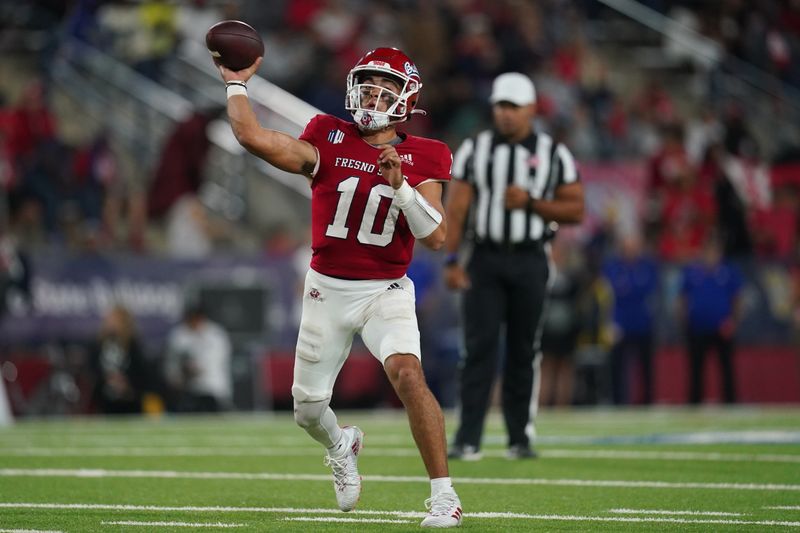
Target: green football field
711,469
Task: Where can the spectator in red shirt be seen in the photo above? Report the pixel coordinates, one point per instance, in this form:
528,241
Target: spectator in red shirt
180,167
680,211
30,123
665,169
776,228
687,218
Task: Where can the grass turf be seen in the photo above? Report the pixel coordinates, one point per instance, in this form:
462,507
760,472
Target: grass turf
712,469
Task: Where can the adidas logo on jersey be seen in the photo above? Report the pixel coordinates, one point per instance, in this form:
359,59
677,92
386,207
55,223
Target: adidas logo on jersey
393,286
407,159
335,136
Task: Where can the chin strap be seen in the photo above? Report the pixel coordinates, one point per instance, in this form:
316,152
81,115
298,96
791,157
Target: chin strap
423,218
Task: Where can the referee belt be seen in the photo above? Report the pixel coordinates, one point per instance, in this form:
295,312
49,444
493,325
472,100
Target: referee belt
524,246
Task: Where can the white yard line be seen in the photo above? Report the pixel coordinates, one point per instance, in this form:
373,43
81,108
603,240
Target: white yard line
291,451
171,474
187,451
27,531
668,512
399,514
200,509
348,520
784,507
141,440
121,440
663,520
170,524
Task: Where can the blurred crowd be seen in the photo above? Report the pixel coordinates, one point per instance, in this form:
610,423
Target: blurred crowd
694,144
707,179
765,34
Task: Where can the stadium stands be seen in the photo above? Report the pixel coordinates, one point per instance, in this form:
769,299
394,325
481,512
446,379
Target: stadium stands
684,120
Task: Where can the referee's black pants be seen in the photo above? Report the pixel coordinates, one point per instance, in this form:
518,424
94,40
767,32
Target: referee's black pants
699,344
507,286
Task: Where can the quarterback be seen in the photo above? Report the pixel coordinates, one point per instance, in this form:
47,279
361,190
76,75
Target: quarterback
374,192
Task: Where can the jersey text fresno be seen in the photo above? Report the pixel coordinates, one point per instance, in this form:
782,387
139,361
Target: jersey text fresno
346,162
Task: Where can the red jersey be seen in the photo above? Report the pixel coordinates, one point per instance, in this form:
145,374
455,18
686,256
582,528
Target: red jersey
358,232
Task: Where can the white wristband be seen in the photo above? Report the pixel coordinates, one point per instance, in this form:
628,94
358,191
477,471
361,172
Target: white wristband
422,217
404,195
234,89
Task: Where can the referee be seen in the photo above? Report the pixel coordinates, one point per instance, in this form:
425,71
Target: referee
515,185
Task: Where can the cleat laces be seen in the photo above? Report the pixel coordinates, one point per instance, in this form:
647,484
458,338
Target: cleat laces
442,504
343,472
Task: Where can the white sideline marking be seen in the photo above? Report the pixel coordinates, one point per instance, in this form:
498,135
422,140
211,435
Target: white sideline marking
169,524
402,514
784,507
350,520
751,436
666,511
205,451
171,474
667,520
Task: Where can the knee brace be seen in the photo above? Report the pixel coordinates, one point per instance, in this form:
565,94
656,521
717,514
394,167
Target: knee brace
309,414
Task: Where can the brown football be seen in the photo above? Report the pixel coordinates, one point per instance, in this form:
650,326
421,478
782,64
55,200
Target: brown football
234,44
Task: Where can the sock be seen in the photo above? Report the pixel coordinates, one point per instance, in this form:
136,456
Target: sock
326,430
440,484
341,446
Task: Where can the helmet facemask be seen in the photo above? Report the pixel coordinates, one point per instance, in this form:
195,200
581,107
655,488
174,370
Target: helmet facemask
374,106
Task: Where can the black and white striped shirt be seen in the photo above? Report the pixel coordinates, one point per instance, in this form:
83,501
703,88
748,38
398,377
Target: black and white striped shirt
490,164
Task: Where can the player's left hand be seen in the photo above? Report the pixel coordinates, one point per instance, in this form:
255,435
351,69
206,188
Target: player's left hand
389,163
517,197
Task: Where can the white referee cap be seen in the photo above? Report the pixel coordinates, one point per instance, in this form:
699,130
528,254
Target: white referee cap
513,87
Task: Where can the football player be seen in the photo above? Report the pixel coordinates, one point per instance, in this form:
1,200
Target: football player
374,192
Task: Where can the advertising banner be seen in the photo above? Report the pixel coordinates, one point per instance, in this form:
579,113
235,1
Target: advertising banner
69,294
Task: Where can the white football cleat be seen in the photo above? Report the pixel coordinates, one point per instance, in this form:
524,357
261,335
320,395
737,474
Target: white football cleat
444,510
346,481
465,452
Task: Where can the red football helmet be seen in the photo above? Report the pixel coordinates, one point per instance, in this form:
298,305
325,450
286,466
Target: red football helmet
390,63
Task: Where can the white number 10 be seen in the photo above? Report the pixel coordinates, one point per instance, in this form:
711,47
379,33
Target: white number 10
339,229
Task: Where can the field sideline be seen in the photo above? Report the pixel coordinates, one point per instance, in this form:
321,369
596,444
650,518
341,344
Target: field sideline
709,469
